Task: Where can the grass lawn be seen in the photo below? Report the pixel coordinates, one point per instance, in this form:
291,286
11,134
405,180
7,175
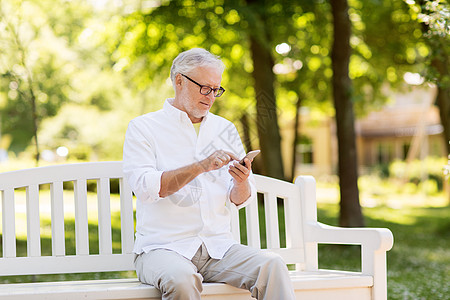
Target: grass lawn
418,264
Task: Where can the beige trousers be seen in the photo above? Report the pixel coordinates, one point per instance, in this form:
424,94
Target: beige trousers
264,274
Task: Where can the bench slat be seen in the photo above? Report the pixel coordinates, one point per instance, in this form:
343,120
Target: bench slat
126,217
33,221
307,185
104,216
279,188
81,217
8,224
294,236
292,211
57,201
65,172
66,264
271,214
251,214
290,255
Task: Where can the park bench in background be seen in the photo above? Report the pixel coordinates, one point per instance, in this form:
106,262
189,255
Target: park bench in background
299,245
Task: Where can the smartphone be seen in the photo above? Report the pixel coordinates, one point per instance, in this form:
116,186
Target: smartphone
251,155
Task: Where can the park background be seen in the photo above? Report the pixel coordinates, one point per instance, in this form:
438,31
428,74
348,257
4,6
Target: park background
353,92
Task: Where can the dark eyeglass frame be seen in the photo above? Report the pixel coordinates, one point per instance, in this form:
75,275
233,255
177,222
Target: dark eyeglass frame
207,89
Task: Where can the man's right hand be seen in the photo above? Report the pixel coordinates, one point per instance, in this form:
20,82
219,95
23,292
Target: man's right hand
172,181
217,160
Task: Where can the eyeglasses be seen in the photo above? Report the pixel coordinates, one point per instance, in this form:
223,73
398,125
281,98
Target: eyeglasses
206,90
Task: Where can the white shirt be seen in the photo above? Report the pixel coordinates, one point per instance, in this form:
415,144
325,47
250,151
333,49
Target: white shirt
166,140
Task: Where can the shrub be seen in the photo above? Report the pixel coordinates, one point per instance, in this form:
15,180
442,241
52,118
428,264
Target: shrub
415,172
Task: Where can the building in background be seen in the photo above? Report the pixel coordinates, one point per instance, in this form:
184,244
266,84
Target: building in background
409,127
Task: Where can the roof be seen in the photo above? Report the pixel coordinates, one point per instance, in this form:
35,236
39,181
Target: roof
405,116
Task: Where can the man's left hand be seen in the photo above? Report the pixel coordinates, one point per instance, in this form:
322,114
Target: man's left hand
239,172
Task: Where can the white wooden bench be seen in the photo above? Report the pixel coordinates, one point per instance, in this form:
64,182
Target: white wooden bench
303,234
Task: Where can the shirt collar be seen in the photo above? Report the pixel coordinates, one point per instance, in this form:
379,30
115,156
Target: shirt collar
177,113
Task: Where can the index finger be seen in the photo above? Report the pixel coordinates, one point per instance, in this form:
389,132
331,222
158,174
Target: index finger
231,155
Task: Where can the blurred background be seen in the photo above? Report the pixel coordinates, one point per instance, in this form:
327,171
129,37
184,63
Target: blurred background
354,92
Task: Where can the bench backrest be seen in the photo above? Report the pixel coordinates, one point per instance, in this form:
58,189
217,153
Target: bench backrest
281,201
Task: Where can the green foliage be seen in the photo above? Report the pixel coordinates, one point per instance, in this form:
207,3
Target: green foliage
434,18
151,40
35,63
86,131
89,62
71,77
413,179
305,71
431,168
386,44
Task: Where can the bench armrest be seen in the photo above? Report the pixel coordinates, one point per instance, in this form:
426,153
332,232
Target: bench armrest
374,244
376,239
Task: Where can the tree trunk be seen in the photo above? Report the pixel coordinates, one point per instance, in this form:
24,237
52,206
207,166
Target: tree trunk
35,126
247,141
295,139
443,98
266,108
34,113
350,209
246,132
443,102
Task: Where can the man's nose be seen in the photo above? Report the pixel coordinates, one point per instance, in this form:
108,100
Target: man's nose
211,97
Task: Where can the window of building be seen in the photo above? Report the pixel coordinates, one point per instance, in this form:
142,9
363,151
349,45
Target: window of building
385,152
406,147
305,150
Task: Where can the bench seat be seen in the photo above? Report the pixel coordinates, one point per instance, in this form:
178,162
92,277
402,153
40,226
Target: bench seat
308,285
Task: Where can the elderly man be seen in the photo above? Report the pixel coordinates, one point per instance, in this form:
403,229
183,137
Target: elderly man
181,163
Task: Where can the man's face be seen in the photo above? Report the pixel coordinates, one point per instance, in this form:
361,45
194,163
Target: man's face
188,97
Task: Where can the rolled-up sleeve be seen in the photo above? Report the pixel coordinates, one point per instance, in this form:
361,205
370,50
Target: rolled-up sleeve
139,164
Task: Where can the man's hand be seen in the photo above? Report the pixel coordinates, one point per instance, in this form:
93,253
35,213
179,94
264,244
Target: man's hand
239,172
241,189
217,160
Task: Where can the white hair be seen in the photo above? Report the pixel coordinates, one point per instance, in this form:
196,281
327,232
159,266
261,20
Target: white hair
188,60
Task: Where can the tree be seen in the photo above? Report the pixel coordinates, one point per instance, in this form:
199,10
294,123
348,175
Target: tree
266,107
34,67
19,75
351,215
434,17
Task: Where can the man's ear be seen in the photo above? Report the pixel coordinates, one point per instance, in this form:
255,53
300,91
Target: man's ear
178,79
